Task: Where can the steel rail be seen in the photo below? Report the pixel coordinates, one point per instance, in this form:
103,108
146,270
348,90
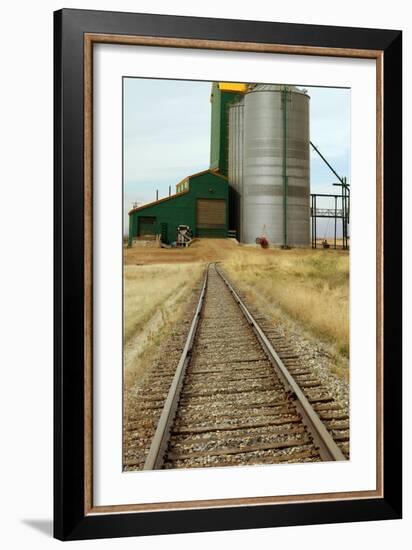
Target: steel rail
158,447
328,449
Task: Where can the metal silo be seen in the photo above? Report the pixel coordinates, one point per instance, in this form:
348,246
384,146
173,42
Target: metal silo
276,188
236,163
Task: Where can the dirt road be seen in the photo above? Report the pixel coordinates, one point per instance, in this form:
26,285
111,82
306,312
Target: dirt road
202,250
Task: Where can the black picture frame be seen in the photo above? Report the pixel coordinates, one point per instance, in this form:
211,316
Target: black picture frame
70,520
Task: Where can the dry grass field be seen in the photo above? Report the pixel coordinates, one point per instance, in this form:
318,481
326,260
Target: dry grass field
311,286
308,287
154,298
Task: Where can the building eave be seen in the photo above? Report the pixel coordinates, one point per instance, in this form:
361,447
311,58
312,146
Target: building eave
147,205
214,172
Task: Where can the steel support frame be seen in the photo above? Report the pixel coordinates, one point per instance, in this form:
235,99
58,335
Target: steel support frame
344,216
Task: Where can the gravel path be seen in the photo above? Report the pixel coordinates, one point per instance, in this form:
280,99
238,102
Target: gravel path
233,410
316,361
144,401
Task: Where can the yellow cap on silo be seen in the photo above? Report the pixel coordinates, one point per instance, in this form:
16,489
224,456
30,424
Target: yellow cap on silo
233,87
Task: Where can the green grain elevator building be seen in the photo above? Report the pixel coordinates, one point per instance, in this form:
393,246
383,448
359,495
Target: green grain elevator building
201,200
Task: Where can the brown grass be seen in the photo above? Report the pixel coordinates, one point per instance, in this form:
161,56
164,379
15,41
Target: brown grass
154,299
312,287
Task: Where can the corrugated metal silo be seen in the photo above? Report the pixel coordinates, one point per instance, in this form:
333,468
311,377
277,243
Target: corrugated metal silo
276,158
236,137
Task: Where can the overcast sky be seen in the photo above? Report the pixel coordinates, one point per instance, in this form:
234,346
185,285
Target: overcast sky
167,136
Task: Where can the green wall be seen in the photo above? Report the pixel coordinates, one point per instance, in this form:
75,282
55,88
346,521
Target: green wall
181,209
219,129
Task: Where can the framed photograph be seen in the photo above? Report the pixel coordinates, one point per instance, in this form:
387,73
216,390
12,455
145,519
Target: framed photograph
227,274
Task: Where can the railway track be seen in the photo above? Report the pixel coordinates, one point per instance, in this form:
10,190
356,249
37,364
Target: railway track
235,399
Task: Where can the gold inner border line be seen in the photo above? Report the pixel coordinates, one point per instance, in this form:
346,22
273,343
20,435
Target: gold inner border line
89,40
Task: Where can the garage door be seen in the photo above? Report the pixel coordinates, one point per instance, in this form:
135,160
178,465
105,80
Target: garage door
147,225
211,214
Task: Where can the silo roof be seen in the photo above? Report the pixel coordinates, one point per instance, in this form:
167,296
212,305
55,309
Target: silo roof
276,88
